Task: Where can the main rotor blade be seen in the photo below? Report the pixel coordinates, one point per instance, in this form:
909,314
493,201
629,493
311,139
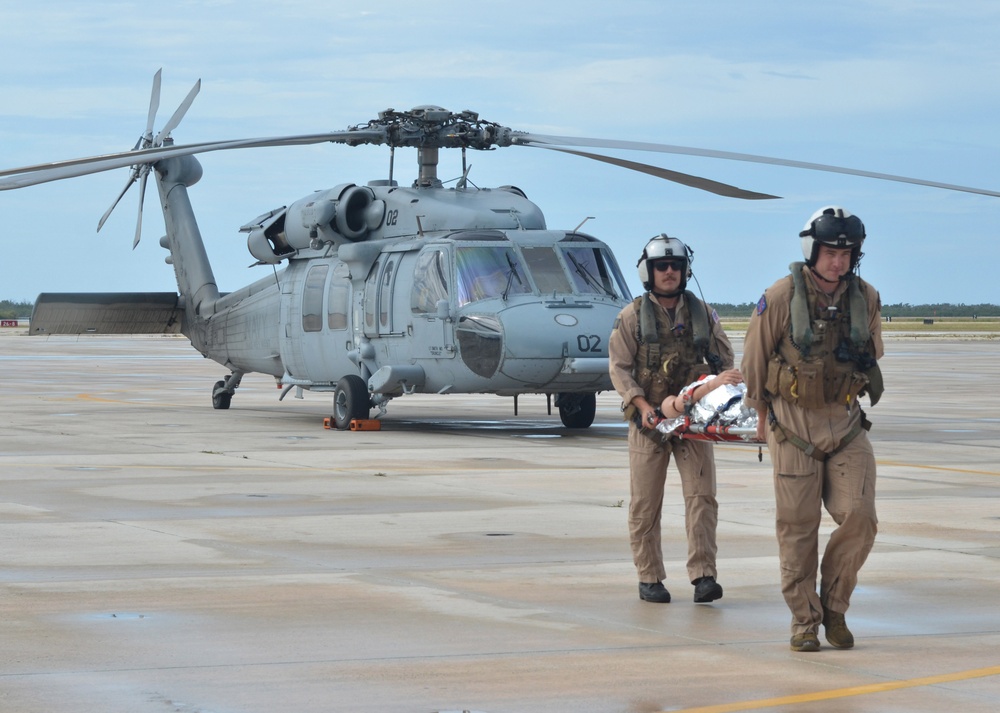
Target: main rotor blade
181,110
543,140
58,170
154,105
107,213
722,189
144,171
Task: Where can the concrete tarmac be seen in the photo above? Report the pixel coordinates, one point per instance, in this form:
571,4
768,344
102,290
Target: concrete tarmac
157,555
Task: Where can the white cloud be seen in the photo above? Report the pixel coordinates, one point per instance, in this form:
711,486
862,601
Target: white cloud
900,87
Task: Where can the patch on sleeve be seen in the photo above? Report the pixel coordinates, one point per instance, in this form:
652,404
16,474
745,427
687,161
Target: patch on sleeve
762,304
715,316
618,321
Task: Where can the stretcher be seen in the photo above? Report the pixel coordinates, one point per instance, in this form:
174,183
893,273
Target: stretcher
718,433
720,416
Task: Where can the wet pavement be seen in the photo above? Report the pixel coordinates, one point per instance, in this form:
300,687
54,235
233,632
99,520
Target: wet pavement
158,555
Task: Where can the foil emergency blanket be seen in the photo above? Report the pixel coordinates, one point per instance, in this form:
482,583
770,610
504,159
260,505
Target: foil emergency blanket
721,411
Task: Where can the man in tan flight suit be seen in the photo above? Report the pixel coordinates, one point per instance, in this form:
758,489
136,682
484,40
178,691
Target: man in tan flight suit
660,343
811,350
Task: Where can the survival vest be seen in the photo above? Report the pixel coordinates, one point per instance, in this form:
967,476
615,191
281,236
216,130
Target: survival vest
829,358
669,359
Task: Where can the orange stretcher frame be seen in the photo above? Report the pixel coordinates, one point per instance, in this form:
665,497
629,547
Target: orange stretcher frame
719,434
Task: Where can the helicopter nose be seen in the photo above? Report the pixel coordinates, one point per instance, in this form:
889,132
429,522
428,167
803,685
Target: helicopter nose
557,348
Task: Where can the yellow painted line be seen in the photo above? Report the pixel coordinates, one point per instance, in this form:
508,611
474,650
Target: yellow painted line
124,402
91,397
241,465
938,467
845,692
895,463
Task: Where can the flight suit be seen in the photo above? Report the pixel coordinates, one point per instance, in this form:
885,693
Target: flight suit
844,483
650,451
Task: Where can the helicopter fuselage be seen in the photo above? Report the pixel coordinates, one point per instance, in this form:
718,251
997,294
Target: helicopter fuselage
409,290
482,307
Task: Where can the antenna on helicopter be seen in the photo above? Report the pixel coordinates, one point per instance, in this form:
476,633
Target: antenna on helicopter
463,182
589,217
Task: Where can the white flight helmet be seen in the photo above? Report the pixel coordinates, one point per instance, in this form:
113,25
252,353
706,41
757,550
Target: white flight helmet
835,227
660,247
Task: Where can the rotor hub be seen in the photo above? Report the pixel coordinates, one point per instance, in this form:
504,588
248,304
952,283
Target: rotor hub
432,127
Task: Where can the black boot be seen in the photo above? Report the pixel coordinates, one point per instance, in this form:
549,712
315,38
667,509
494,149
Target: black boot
706,589
654,592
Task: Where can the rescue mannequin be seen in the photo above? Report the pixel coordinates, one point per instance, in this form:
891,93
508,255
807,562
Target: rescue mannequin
675,405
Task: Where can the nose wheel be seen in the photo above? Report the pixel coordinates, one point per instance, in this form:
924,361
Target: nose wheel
577,410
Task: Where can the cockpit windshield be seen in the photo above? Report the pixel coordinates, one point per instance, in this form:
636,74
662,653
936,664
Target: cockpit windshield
484,272
594,271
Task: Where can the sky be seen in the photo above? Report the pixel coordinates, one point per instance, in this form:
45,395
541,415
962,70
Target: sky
908,87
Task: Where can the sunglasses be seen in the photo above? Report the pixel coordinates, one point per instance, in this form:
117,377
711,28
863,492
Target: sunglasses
664,265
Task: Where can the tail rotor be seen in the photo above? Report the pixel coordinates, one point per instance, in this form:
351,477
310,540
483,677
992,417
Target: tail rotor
140,172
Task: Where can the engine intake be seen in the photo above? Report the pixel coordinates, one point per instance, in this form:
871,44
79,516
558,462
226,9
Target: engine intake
333,216
345,214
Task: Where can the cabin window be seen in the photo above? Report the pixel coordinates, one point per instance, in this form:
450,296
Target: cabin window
339,304
546,270
312,298
594,271
371,302
484,273
385,296
430,285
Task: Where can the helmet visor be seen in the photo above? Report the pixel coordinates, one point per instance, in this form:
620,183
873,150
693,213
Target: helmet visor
838,232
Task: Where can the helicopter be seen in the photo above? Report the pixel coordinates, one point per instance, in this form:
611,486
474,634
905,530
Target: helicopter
385,290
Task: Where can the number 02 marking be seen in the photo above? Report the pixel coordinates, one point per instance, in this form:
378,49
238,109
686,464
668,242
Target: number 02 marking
588,342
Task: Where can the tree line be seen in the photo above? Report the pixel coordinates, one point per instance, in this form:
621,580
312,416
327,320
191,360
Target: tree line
898,310
22,310
15,310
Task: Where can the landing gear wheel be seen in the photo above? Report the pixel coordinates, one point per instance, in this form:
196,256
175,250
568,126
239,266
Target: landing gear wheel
577,410
221,398
351,400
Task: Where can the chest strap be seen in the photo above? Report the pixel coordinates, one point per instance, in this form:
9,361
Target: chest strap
801,309
783,434
701,330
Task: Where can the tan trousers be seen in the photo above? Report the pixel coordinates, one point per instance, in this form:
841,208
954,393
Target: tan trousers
845,485
648,463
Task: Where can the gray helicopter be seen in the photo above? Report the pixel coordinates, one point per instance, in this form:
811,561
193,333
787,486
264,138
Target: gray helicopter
385,290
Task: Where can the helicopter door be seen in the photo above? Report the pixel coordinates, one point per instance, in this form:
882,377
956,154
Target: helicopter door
406,305
381,318
428,299
387,280
324,339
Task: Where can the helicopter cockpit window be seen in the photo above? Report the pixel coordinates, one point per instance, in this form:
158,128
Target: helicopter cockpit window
594,271
547,271
430,285
487,272
312,298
